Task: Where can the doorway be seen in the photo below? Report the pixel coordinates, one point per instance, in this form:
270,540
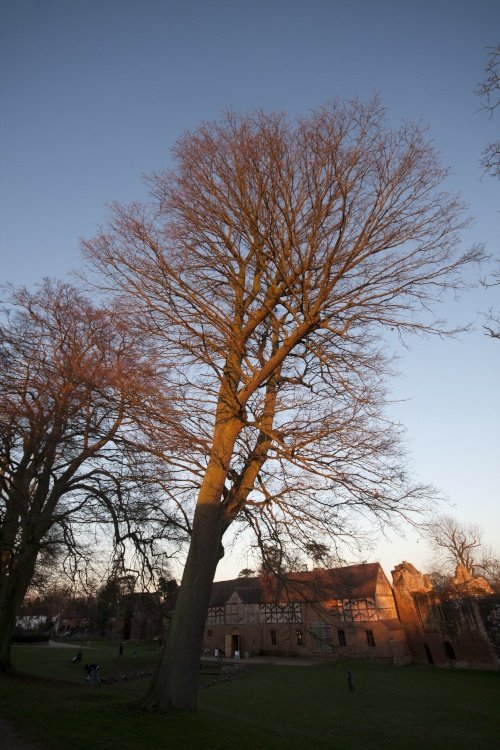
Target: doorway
428,654
449,651
232,644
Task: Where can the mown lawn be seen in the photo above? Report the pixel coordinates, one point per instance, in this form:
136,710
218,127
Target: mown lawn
266,706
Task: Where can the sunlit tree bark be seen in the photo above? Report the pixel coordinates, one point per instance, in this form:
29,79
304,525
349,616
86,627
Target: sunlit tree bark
266,264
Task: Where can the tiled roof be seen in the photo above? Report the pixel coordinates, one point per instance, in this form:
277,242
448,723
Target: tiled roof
351,582
250,591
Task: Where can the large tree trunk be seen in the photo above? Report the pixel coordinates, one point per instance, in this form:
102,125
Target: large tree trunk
13,587
175,682
7,623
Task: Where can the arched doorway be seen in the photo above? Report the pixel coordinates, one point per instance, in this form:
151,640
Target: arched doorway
428,654
448,650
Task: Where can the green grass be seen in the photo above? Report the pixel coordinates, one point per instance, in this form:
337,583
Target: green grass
271,707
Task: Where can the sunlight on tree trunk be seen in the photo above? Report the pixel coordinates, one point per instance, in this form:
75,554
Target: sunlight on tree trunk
266,266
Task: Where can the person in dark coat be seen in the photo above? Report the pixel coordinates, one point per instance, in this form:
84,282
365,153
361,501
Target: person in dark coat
349,679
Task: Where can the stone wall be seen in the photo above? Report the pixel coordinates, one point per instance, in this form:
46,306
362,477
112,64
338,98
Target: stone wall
461,629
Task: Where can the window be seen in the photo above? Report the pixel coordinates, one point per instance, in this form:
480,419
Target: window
300,640
273,638
232,614
216,616
290,612
354,610
341,635
369,637
209,633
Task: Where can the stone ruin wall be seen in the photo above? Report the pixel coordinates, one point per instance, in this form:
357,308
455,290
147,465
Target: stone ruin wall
461,629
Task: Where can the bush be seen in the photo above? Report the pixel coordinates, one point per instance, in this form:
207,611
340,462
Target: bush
23,637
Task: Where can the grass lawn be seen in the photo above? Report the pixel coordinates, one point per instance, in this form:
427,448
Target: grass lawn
266,706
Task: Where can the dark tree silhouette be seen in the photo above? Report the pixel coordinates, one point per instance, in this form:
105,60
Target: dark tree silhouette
74,385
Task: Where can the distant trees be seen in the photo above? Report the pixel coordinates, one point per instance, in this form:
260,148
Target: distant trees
114,598
265,266
75,390
246,573
321,555
277,560
455,543
168,589
59,601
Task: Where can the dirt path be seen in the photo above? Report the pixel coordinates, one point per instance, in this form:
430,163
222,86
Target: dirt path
13,737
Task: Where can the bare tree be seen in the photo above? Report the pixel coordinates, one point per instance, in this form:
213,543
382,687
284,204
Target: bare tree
492,326
320,554
489,91
455,543
74,385
278,562
266,264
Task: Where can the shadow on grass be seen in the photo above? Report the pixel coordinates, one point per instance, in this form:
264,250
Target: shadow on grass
265,706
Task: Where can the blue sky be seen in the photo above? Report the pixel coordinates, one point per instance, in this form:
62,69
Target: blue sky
94,92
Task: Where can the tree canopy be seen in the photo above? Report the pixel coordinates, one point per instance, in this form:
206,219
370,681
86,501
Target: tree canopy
75,391
489,91
265,265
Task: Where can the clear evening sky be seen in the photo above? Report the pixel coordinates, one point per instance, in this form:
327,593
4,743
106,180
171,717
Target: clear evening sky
94,92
